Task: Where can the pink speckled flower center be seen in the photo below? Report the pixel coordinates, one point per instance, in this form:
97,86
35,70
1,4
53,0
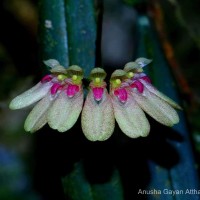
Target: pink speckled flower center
138,85
121,93
72,90
97,93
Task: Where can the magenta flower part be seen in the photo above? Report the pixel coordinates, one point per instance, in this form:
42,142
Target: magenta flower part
138,85
121,93
98,93
55,87
146,78
46,78
72,90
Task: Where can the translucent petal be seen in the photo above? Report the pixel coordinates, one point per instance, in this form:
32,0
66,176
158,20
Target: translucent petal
130,117
97,73
37,118
143,61
58,69
51,63
156,107
153,90
97,117
65,111
75,70
131,66
30,96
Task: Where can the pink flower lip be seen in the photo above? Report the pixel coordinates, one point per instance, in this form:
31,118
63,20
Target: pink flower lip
72,90
46,78
98,93
55,87
146,78
138,85
121,93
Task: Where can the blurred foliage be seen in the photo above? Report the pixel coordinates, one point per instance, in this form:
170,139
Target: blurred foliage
14,184
134,2
81,22
53,31
77,186
182,32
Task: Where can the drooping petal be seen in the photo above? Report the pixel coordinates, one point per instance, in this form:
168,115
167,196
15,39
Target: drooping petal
37,118
153,90
65,111
30,96
97,117
156,107
130,117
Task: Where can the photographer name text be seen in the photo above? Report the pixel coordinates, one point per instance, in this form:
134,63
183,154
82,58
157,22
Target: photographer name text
169,192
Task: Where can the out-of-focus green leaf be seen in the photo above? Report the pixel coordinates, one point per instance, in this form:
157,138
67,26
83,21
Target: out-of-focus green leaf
133,2
77,186
53,31
109,190
183,175
81,27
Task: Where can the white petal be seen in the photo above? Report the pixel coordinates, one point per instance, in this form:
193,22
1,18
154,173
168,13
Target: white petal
38,116
65,111
30,96
156,107
153,90
130,117
98,118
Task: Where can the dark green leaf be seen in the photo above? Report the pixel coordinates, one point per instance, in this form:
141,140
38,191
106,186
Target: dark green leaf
81,29
183,175
77,186
53,31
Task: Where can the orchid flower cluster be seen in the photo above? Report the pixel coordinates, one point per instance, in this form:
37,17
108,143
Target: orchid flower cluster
60,101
